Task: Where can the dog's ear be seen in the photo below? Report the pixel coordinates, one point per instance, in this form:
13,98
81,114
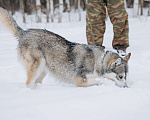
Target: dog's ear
114,62
117,62
127,57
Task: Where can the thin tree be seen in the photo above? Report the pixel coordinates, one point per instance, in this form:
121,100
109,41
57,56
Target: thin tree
48,9
79,10
68,8
83,4
76,4
12,5
129,3
23,11
52,10
135,8
60,10
38,10
141,1
149,10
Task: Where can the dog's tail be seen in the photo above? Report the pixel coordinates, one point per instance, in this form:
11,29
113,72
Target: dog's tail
10,23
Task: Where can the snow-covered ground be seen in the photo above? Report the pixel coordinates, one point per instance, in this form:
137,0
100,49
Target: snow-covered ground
59,101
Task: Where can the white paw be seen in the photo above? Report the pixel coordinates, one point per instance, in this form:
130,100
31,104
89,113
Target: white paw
121,83
94,82
98,83
32,86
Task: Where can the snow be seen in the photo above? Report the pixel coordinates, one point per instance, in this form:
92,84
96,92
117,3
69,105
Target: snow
60,101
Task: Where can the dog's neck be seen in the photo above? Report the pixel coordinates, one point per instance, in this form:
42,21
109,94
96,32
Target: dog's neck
107,60
103,71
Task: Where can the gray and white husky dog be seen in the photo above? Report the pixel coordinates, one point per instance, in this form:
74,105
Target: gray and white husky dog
42,51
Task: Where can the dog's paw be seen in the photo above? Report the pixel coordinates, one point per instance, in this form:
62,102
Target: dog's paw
122,84
100,83
94,82
32,86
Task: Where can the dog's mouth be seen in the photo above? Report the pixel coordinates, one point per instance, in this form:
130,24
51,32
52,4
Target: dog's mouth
118,79
121,81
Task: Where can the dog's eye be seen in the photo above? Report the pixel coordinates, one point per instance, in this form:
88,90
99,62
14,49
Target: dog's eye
120,76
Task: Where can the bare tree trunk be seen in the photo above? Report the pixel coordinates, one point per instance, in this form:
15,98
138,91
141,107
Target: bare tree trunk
12,3
3,5
83,2
129,3
75,4
141,6
52,10
79,10
135,8
68,8
48,9
23,11
60,10
149,9
38,10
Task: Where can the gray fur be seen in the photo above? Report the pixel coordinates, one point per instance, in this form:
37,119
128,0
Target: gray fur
71,62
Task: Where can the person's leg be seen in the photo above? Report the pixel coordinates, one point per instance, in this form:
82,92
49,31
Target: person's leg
119,19
97,13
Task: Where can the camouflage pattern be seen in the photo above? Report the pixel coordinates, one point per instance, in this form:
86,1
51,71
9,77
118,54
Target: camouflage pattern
118,16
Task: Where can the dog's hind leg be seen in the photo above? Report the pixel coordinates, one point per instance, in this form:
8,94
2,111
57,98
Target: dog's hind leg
34,71
41,77
31,76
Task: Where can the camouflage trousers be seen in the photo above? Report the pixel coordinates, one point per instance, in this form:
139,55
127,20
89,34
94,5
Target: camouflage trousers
97,15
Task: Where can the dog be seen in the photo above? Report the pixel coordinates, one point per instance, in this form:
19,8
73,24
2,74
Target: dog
42,51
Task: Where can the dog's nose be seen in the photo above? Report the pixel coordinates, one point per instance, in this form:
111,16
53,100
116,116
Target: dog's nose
120,76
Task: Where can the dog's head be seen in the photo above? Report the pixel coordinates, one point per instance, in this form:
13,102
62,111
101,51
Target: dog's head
119,70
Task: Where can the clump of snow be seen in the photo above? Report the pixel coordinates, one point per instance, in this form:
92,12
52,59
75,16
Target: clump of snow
60,101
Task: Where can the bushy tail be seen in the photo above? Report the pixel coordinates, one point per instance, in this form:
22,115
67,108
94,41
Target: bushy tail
10,23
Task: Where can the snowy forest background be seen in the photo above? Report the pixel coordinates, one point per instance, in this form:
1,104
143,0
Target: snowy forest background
53,8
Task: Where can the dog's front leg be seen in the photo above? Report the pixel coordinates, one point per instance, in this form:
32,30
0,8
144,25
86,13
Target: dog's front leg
121,83
84,82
